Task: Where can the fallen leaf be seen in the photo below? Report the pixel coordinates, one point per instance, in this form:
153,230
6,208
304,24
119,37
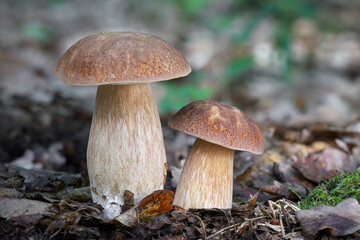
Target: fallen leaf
341,220
83,232
13,181
252,201
331,174
10,193
302,149
62,221
16,207
158,222
27,220
128,218
276,189
177,228
316,165
81,194
180,215
68,218
155,204
46,180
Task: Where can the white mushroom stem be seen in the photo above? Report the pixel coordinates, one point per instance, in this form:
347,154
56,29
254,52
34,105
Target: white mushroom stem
126,147
206,180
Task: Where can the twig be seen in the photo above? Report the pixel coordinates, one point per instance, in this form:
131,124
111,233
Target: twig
54,234
226,228
282,227
226,213
202,224
288,227
257,237
254,219
127,232
246,222
272,209
289,204
137,216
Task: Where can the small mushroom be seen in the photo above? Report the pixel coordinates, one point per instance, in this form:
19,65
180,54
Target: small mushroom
126,147
206,180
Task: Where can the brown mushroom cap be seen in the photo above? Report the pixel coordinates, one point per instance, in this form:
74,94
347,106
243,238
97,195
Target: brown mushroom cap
219,124
120,58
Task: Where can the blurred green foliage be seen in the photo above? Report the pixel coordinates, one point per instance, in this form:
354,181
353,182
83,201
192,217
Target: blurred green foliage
238,66
179,94
192,7
37,32
283,12
56,4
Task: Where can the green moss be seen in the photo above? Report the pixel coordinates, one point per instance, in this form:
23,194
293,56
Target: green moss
330,193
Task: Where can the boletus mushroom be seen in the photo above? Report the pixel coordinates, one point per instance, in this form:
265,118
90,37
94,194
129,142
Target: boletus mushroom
206,180
126,147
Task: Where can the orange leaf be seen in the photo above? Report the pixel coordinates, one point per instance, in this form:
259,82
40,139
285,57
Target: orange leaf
155,204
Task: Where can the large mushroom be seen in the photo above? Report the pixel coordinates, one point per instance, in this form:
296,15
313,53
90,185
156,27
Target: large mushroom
206,180
126,147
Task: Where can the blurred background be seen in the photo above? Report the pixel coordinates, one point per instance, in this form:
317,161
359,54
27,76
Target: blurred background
291,63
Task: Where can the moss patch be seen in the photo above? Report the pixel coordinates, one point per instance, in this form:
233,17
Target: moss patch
343,186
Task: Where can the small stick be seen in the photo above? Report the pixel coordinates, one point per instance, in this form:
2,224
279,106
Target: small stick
226,228
272,209
246,222
282,227
137,216
288,227
202,224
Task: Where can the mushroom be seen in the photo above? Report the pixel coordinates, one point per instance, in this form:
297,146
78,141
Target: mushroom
126,147
206,180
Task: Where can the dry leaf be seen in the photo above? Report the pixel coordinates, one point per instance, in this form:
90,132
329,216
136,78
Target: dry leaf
16,207
276,188
10,193
155,204
128,218
252,201
341,220
302,149
316,165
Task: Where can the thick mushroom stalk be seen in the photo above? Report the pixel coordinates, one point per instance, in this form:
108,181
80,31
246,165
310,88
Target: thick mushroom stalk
126,147
207,177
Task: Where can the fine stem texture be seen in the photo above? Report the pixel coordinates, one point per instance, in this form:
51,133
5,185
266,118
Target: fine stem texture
126,147
206,180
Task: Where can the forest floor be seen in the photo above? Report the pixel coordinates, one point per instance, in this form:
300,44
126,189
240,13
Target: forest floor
44,188
296,76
